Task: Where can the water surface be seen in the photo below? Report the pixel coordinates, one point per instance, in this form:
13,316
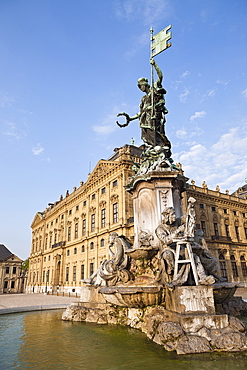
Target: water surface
41,340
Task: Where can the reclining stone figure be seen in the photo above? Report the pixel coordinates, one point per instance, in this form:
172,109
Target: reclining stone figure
113,270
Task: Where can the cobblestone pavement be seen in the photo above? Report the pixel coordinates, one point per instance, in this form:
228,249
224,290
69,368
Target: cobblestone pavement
11,303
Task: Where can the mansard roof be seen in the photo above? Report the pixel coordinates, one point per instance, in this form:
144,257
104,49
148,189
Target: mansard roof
4,252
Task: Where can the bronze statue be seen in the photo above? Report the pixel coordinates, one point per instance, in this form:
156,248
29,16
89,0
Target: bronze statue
152,112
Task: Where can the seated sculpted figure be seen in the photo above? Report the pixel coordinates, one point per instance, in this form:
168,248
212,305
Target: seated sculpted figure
169,232
113,270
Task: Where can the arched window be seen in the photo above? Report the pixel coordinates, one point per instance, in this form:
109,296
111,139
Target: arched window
243,266
92,245
234,266
222,263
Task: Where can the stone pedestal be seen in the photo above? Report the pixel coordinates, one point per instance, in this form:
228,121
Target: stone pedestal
191,300
151,197
91,295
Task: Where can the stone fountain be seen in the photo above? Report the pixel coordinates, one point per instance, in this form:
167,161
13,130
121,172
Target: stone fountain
166,283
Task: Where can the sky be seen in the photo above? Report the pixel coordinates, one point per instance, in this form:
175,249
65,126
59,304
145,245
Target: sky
67,67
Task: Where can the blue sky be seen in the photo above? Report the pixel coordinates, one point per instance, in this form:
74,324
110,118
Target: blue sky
67,67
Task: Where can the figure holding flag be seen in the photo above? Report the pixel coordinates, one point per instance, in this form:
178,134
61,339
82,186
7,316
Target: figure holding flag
152,107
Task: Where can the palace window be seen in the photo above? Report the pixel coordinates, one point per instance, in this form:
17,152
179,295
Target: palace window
12,284
70,212
245,230
76,230
227,231
43,279
92,245
14,270
216,231
82,272
225,210
213,209
46,242
234,266
102,242
55,238
103,217
50,241
93,222
69,233
75,250
77,208
115,213
82,248
84,203
7,270
68,253
237,232
203,227
115,183
84,226
222,263
201,206
67,274
74,273
91,268
103,190
93,196
243,266
47,276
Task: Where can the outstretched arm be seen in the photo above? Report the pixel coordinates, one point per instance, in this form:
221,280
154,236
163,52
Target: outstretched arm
128,119
158,70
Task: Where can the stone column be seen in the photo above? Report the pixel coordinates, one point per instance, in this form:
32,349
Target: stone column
152,196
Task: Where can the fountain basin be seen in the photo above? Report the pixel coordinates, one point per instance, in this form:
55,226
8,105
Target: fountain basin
145,253
133,296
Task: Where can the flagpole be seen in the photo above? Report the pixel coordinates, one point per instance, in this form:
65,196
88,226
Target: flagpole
152,79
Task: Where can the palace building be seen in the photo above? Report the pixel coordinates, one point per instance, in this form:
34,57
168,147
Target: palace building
70,237
11,278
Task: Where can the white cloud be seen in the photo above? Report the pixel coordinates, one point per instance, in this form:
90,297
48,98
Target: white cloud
198,115
181,133
11,130
5,100
244,93
224,163
108,124
183,96
185,74
38,149
211,92
149,11
222,82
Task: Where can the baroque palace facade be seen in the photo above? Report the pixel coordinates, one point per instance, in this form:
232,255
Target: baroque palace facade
70,237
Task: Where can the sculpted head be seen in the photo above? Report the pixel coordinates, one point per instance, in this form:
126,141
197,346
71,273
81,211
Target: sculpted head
143,84
113,237
169,215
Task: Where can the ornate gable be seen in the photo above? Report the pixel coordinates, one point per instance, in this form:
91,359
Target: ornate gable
101,169
37,218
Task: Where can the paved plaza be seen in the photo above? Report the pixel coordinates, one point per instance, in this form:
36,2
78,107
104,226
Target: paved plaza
11,303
